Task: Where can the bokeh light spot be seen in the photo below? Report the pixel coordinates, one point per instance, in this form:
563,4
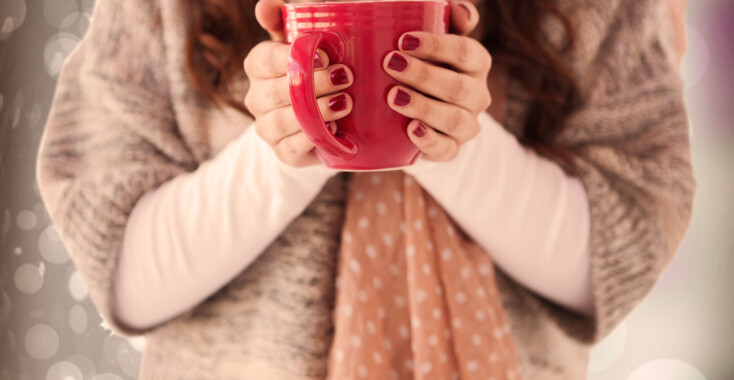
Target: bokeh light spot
64,371
668,369
26,220
13,14
696,60
28,278
41,342
57,50
609,350
78,319
77,287
51,247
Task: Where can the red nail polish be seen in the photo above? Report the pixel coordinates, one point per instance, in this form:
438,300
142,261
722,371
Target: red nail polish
339,77
317,64
410,42
466,11
402,98
397,62
338,103
420,130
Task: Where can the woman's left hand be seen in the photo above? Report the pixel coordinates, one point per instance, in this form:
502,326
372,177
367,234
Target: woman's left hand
443,102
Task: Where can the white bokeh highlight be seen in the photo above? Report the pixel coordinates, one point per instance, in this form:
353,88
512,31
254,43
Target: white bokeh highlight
609,350
57,50
12,15
696,60
78,320
26,220
41,342
77,287
666,369
29,278
64,371
51,247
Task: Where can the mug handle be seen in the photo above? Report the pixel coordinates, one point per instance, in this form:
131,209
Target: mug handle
303,98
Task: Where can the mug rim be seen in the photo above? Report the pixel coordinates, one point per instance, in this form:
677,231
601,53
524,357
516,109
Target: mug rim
334,2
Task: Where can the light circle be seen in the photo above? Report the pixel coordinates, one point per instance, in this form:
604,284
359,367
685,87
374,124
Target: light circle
668,369
26,220
51,247
28,278
64,371
77,288
609,350
41,342
696,60
78,319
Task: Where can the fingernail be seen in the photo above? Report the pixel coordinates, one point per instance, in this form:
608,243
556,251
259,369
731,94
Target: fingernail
397,62
339,77
420,130
338,103
466,10
402,98
410,42
317,64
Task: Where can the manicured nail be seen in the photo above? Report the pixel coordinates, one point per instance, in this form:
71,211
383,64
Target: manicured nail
420,130
317,64
338,103
466,11
410,42
397,62
339,77
402,98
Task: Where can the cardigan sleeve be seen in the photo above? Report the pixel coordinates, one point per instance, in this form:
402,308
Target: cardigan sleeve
111,135
630,140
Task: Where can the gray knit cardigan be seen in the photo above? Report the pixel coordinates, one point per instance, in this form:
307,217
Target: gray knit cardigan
125,119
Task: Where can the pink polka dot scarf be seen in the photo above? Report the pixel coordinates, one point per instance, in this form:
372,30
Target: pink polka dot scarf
416,299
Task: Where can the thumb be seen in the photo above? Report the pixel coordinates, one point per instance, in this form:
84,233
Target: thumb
464,17
267,13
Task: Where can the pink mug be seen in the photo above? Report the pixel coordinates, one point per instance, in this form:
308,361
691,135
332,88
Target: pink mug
359,35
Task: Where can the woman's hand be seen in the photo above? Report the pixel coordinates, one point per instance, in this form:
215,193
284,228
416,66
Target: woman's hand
268,97
444,102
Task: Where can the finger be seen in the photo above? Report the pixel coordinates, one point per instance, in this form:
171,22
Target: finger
447,85
433,145
269,94
281,123
270,60
464,17
462,53
267,13
297,150
451,120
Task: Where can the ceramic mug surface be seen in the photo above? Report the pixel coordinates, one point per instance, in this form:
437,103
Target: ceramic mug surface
359,35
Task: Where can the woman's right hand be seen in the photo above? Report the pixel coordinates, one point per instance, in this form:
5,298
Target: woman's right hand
268,98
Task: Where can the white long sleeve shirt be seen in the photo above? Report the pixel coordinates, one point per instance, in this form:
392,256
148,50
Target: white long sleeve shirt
195,233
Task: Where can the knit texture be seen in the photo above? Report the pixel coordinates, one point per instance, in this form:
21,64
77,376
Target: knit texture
125,119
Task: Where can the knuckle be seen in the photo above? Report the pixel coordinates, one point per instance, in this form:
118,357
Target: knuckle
424,110
487,60
456,120
451,152
463,51
273,92
459,90
474,130
421,73
278,124
487,100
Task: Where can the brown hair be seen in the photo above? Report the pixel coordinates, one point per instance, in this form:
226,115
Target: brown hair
224,31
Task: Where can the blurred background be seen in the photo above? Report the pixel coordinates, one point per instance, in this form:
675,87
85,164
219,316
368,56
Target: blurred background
50,330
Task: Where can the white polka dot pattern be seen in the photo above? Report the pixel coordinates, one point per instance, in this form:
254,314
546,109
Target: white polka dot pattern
417,298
